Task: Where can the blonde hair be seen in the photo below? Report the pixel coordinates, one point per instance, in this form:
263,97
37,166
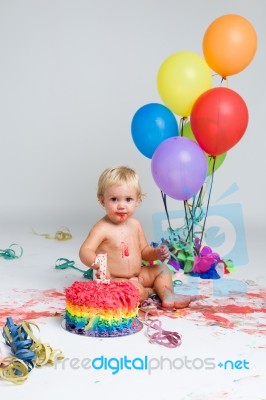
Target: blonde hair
117,176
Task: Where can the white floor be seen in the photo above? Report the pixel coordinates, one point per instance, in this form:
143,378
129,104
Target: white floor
227,324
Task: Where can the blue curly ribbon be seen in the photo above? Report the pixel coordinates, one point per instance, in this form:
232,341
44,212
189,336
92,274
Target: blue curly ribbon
26,347
17,339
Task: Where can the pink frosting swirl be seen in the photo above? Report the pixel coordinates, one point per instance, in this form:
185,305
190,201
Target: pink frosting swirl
122,294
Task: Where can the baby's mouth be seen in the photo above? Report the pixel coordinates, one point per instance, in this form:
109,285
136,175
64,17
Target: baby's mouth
121,215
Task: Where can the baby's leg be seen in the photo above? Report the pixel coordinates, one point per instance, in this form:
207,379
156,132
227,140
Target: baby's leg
144,292
160,277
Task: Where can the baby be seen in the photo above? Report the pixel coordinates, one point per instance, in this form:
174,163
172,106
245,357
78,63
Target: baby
119,235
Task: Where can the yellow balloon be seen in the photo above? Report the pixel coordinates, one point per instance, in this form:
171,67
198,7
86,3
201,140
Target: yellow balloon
181,79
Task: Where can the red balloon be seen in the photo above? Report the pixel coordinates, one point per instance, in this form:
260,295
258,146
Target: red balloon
219,119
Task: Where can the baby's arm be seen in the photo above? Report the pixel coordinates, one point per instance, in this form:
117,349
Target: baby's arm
149,253
87,252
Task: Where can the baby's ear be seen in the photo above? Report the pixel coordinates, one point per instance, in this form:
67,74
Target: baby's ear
139,199
101,199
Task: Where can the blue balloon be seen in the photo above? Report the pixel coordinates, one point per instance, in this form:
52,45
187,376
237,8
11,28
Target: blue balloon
151,125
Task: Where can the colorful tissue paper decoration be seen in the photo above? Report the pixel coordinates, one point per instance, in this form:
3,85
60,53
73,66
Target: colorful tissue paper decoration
195,260
27,352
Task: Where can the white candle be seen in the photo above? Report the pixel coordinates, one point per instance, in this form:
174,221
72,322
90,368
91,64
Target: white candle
101,259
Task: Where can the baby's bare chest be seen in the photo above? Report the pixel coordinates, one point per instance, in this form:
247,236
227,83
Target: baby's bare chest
122,237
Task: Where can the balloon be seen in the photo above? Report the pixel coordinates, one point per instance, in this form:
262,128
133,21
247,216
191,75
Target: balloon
229,44
187,132
219,119
182,77
152,124
179,167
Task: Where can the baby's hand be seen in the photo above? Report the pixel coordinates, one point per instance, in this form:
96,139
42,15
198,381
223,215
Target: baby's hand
97,273
162,252
100,275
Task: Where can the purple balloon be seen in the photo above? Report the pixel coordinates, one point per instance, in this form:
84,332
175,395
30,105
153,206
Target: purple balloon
179,167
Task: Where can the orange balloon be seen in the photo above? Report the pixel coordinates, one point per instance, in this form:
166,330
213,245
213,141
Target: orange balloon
229,44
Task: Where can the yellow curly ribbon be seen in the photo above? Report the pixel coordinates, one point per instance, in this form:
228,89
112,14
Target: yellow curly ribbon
14,370
44,353
62,234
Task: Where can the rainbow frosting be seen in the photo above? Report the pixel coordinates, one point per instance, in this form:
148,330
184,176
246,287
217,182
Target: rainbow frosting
102,309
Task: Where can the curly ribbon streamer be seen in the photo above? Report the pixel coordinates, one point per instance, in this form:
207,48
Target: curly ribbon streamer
10,254
63,234
162,337
64,263
27,349
194,215
181,253
165,338
13,369
229,265
195,259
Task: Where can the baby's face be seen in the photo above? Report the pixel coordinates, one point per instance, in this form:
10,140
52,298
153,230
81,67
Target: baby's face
120,202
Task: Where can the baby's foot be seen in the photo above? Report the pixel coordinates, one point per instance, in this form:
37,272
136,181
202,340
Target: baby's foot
176,301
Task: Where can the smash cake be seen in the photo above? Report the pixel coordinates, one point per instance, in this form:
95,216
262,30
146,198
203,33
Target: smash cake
102,308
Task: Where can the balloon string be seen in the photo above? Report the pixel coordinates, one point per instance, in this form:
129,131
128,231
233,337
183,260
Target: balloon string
196,204
186,214
166,210
224,78
191,210
208,202
182,123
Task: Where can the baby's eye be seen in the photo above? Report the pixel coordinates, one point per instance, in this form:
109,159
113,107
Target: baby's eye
114,199
129,199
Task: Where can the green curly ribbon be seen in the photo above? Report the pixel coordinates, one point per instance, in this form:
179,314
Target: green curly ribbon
177,282
183,252
10,254
64,263
229,265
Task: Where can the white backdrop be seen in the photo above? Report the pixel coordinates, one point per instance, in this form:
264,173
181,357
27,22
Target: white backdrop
72,75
